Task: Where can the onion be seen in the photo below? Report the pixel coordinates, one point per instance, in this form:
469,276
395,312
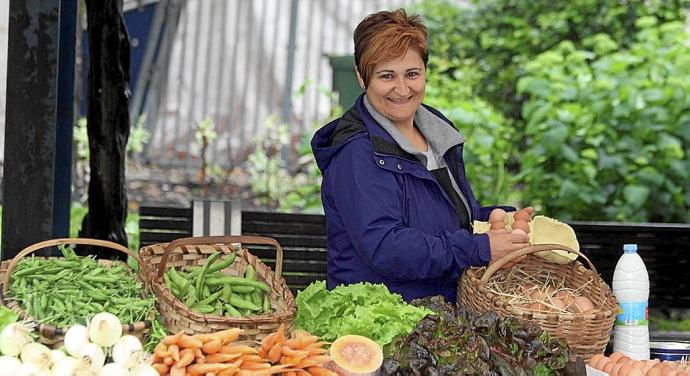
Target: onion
114,369
28,369
75,339
93,355
14,337
143,370
57,355
38,355
9,365
128,351
105,329
65,366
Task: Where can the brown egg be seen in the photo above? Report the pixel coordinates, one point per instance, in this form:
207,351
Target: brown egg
670,364
595,358
500,225
521,225
582,304
673,372
497,215
633,372
654,372
558,304
623,359
601,363
522,215
538,307
682,373
608,367
616,369
625,368
615,356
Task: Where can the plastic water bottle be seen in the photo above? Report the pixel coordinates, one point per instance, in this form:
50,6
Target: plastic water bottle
631,288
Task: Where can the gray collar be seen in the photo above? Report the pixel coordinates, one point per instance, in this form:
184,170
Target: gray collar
439,134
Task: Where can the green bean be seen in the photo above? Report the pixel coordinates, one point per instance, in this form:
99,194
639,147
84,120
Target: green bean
202,275
222,264
231,311
241,303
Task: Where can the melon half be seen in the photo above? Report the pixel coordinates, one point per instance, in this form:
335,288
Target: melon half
355,355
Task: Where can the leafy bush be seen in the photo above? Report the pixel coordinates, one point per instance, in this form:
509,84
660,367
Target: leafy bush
608,128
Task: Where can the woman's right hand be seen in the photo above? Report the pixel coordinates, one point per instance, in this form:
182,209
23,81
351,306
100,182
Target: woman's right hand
503,243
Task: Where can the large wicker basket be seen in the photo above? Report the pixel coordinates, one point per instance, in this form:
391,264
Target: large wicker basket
586,334
51,335
194,251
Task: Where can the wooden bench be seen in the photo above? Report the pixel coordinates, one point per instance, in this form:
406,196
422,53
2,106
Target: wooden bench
664,247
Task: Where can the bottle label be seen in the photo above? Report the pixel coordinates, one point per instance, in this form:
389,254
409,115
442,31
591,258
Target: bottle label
632,314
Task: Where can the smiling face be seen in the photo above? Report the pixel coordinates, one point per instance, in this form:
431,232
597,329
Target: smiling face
396,87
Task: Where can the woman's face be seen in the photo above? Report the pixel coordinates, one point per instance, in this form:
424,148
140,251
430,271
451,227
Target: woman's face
396,87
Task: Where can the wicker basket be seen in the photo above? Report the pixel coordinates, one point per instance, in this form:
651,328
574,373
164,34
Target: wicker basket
586,334
51,335
194,251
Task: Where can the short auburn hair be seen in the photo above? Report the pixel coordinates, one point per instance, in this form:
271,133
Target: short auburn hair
387,35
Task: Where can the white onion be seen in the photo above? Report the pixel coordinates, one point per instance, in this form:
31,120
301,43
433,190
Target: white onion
65,366
9,365
38,355
75,339
127,351
143,370
14,337
105,329
28,369
113,369
93,355
57,355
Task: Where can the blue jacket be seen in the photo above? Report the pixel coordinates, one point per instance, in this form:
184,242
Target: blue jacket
390,220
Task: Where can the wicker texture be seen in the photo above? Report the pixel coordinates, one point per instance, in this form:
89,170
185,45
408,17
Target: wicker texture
51,335
194,251
586,334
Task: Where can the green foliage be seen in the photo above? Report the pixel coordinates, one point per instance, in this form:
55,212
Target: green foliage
608,128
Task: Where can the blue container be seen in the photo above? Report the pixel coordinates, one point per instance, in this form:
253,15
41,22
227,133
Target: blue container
673,351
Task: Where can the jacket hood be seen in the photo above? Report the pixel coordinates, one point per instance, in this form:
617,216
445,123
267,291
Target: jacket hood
328,140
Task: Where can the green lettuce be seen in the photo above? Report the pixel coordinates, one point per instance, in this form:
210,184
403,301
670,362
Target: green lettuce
365,309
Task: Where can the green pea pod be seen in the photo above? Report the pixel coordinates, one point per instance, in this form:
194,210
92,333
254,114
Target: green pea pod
231,311
222,264
238,281
201,277
211,298
227,292
206,309
266,306
241,303
255,297
249,273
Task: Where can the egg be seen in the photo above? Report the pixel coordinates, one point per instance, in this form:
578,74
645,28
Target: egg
615,371
634,372
499,225
567,298
593,361
615,356
521,225
522,215
623,359
670,364
626,368
558,304
537,307
673,372
608,367
582,304
682,373
497,215
601,363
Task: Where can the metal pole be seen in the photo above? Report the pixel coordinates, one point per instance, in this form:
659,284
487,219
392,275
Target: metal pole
287,94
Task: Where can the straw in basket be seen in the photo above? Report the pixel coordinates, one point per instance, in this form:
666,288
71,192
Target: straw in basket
587,334
194,251
51,335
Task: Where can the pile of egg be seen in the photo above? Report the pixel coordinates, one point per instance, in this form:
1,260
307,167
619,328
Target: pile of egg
618,364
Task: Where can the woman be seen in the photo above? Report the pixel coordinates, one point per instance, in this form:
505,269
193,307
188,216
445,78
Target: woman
399,207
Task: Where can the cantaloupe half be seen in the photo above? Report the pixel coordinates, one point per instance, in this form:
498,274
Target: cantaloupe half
355,355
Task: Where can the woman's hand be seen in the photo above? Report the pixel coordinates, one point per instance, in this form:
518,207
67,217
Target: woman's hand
503,243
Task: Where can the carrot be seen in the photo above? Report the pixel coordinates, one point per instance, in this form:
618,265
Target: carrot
301,342
318,351
189,342
290,373
161,368
177,371
243,349
262,372
300,333
302,372
171,340
186,358
168,361
320,371
255,365
208,367
228,372
268,341
262,352
253,358
222,358
285,350
211,347
161,350
199,356
228,335
174,352
313,361
280,334
275,352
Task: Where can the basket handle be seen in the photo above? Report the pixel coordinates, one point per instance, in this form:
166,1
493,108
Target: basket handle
210,240
61,241
528,251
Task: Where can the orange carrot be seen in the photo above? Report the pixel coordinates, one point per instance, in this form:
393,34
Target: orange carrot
318,351
186,358
302,372
189,342
176,371
208,367
161,368
161,350
301,342
290,352
262,352
243,349
171,340
168,361
222,358
268,341
275,352
313,361
280,334
228,335
255,365
174,352
211,347
252,358
262,372
320,371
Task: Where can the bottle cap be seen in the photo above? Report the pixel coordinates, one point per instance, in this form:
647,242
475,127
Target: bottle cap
629,248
